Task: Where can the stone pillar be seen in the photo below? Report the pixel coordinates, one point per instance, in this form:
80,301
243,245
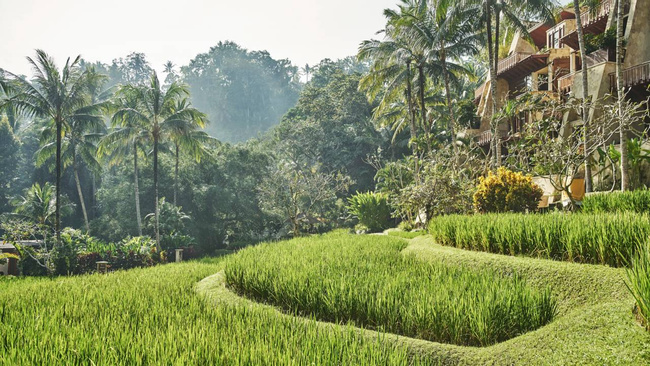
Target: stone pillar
102,266
179,255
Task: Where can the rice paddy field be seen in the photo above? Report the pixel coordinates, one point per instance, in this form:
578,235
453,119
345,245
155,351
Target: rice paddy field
192,313
366,280
598,238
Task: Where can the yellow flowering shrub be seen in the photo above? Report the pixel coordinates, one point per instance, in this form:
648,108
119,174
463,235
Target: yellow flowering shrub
506,191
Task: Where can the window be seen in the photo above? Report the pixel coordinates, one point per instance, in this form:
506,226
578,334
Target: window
554,35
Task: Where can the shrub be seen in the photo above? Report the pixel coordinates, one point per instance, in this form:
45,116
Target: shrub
372,209
506,191
73,242
608,239
632,201
638,282
87,262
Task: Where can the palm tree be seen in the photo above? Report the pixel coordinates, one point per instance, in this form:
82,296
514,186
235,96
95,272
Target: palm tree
61,96
307,70
6,90
390,76
128,138
37,204
401,24
625,176
158,114
80,138
185,135
447,30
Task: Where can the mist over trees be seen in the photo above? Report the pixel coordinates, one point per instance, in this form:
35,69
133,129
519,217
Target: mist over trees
243,92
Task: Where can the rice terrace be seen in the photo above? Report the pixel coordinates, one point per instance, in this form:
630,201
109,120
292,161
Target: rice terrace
454,182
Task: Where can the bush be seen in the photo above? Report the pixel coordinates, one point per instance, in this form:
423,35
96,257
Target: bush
638,282
609,239
632,201
506,191
372,209
65,255
132,252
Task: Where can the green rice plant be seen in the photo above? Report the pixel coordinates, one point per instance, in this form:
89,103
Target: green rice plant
631,201
604,238
153,316
365,280
638,283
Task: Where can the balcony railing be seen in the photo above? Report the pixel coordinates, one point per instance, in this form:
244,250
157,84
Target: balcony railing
565,83
635,75
589,17
510,61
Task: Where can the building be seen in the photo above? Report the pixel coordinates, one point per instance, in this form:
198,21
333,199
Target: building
550,65
10,265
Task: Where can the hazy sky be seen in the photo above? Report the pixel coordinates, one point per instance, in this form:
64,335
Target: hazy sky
302,30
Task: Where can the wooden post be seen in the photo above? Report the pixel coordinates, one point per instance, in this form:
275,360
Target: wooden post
102,266
179,255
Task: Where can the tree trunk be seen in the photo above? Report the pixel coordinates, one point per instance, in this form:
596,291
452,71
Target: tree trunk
445,73
421,81
57,220
414,133
137,189
585,95
176,174
493,82
79,191
625,174
155,188
497,25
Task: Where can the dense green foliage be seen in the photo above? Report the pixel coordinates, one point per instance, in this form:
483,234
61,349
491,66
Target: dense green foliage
152,317
371,209
9,146
365,279
631,201
608,239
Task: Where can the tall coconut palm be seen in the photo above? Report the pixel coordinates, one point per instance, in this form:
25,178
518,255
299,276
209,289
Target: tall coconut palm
625,176
80,138
391,76
129,138
186,136
61,96
157,113
447,30
401,24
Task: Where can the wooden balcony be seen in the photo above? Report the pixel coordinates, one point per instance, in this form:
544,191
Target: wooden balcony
510,61
592,22
633,76
565,83
520,64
